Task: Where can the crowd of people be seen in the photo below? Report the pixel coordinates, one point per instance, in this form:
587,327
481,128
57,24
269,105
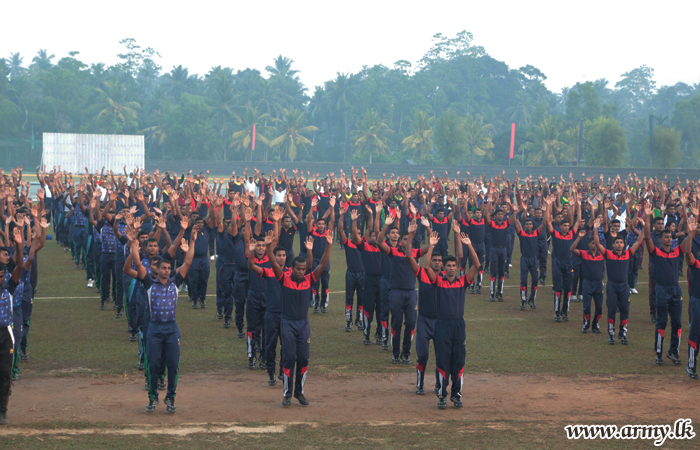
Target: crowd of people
141,237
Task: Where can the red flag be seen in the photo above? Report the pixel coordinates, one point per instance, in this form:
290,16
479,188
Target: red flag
512,140
253,148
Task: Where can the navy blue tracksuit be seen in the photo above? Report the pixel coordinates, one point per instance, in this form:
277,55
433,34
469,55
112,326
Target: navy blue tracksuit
199,270
425,327
255,310
669,297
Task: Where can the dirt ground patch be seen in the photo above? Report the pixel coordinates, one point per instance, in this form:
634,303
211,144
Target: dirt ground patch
226,398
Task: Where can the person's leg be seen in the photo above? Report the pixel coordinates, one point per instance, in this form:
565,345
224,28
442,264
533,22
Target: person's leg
172,358
443,347
502,254
272,335
598,300
612,304
533,265
289,355
154,358
662,299
27,307
218,265
395,298
106,264
542,254
360,289
422,350
557,284
493,273
240,292
693,335
587,294
302,362
385,307
325,281
409,304
675,310
623,304
204,282
349,295
226,280
195,273
253,327
459,354
370,302
6,352
652,292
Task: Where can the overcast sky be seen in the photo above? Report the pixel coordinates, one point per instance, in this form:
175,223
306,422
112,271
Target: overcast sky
568,41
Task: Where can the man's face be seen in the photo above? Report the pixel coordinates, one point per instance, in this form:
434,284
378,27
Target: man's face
152,248
615,228
281,257
436,263
478,214
4,257
619,245
320,225
299,271
199,224
591,246
375,195
164,270
260,248
659,225
441,215
499,216
528,226
451,268
557,218
394,235
564,227
142,239
538,214
666,239
287,222
373,238
671,210
153,267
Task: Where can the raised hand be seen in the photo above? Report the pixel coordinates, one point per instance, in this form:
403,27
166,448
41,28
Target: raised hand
329,237
389,220
269,237
465,239
184,245
582,233
309,243
434,239
413,226
425,222
354,215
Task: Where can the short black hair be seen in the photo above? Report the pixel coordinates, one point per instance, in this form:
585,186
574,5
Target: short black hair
666,231
614,221
149,240
163,261
656,219
618,238
449,258
298,260
155,260
141,233
279,249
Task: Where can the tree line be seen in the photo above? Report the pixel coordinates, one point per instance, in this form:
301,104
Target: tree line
454,106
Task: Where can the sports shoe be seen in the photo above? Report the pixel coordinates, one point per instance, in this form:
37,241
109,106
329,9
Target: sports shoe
471,289
140,366
271,380
133,338
506,274
557,318
673,357
499,297
366,340
262,363
151,406
394,359
114,307
280,376
302,399
457,402
653,317
102,305
15,376
286,401
219,315
510,265
118,314
161,384
611,339
23,354
478,289
596,329
378,339
227,323
420,391
584,328
187,288
194,304
385,344
531,302
623,340
659,359
492,298
251,362
323,311
213,257
203,304
580,297
170,405
241,334
316,310
692,373
91,283
565,316
348,326
442,403
522,305
634,291
405,360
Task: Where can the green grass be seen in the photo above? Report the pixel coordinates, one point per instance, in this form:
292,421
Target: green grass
71,332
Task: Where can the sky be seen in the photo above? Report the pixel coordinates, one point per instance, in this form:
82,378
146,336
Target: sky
568,41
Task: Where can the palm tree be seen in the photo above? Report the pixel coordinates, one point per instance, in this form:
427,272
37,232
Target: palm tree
282,67
371,135
179,81
546,143
243,139
16,69
293,126
422,138
340,90
43,60
520,113
478,139
222,96
112,103
268,98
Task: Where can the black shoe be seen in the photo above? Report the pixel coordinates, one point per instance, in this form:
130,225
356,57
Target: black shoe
565,317
219,316
194,304
203,304
659,359
405,360
302,399
394,359
385,344
673,357
251,362
358,324
596,329
420,391
611,339
271,380
140,366
366,340
151,406
478,289
499,297
280,376
492,298
584,329
442,403
241,334
323,311
133,338
227,323
557,318
542,281
118,314
653,317
379,340
531,302
457,402
170,405
23,354
316,311
262,364
692,373
522,305
507,275
102,306
286,401
348,326
471,289
161,385
623,340
114,307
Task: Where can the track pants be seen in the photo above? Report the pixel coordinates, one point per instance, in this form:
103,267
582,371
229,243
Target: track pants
227,273
618,297
669,303
542,249
7,351
425,332
450,353
480,250
272,335
694,335
403,304
79,237
319,289
296,335
17,323
562,276
240,293
652,289
577,286
384,306
199,278
592,290
255,317
162,349
354,282
528,266
370,302
635,262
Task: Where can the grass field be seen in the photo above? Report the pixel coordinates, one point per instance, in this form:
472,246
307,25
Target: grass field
71,337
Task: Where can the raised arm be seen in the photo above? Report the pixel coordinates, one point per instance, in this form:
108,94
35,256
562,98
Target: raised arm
189,249
326,256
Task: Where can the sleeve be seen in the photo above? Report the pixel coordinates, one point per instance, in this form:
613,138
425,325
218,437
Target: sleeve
179,279
146,281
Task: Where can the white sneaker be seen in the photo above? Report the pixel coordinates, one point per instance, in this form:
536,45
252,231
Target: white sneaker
91,282
634,291
213,257
510,265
